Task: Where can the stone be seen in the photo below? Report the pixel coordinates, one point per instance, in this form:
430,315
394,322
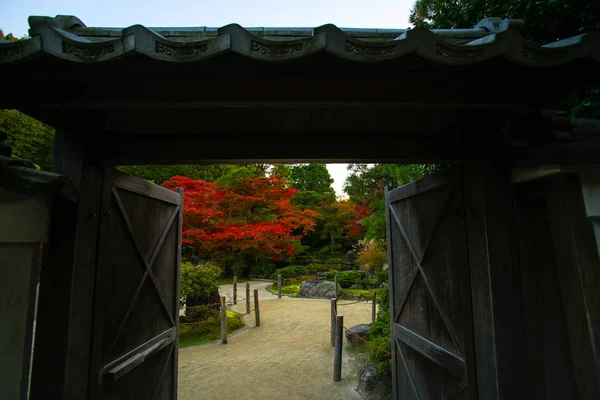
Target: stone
369,385
350,257
356,286
318,289
361,330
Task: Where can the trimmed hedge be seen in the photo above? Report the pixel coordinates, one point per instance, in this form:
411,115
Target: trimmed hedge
314,268
262,270
349,278
291,271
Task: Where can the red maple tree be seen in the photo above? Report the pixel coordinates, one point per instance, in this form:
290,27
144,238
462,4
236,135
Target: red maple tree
251,221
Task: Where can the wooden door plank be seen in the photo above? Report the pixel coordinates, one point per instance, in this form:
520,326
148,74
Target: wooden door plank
119,367
434,296
411,378
429,358
64,324
137,185
177,292
579,272
132,361
451,362
499,325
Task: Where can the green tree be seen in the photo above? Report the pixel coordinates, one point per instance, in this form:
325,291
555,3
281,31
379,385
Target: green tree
28,137
313,177
366,186
161,173
545,21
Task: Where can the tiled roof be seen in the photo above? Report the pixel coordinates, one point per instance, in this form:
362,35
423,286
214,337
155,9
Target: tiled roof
66,37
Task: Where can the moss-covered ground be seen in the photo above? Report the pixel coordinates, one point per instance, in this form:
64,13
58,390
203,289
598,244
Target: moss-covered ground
195,333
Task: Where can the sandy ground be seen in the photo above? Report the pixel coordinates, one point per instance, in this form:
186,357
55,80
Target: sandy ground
288,356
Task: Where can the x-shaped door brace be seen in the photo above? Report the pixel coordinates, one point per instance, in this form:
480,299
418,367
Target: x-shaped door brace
453,363
147,264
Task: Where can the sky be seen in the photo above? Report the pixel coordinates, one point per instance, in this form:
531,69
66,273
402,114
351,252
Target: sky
187,13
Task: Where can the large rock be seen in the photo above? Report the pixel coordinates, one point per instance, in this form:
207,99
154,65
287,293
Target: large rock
361,330
369,385
318,289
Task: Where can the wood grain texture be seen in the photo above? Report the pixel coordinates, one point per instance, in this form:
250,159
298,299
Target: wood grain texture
64,324
578,269
551,371
429,275
137,293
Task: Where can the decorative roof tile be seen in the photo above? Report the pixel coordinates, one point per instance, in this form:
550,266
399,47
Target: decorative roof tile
67,37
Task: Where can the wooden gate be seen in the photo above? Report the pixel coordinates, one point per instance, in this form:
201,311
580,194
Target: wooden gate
432,342
136,306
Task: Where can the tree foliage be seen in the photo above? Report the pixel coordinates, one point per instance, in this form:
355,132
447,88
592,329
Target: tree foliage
315,178
10,37
28,137
241,224
366,186
545,21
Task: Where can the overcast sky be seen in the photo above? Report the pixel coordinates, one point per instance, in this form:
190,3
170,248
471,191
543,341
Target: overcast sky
266,13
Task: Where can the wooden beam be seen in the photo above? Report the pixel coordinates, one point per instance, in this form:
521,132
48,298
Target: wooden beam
64,324
500,339
578,266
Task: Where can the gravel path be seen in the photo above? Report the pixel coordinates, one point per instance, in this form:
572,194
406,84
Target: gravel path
288,356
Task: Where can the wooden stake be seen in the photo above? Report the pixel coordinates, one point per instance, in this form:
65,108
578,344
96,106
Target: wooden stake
335,286
337,354
235,290
374,310
256,310
247,298
279,285
223,321
333,314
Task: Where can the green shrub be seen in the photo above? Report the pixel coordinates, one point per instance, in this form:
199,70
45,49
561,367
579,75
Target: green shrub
382,276
380,336
331,274
199,280
290,288
313,268
199,287
262,270
195,313
207,330
290,272
349,278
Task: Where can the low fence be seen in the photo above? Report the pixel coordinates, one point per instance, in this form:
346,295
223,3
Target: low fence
222,306
336,282
337,334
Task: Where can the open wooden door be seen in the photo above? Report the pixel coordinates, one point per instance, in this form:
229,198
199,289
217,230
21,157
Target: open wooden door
136,306
432,339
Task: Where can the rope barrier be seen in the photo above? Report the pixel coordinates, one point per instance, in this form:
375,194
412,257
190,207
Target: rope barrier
196,323
203,306
354,302
354,334
367,342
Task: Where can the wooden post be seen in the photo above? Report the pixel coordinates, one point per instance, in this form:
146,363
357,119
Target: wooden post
337,354
235,290
223,321
279,286
256,310
333,315
335,286
247,298
65,319
374,310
